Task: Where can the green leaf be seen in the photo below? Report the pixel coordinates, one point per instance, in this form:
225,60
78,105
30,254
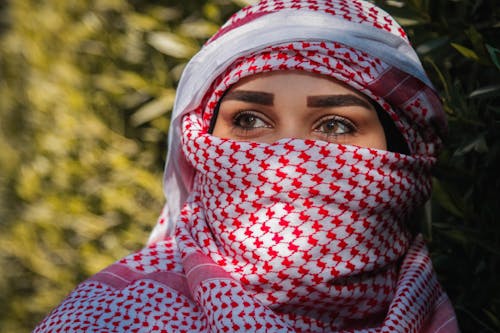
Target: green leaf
172,44
431,45
494,55
466,52
478,145
198,29
153,109
484,92
444,199
495,319
243,3
476,39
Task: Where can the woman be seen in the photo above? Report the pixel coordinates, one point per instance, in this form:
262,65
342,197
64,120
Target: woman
301,143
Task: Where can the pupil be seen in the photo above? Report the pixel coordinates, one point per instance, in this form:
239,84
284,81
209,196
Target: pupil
247,121
330,126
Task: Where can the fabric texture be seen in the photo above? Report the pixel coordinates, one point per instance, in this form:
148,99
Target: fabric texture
353,24
293,236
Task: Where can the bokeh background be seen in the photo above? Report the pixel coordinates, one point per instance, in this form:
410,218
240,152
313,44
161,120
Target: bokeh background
86,90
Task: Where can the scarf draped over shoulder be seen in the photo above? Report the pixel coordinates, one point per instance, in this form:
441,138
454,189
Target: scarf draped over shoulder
296,235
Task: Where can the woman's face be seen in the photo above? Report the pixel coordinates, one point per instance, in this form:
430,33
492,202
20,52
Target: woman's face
291,104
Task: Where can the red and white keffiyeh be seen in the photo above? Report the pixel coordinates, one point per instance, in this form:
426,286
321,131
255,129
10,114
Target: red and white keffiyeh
293,236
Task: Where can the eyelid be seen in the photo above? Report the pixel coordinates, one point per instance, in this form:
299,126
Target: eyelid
253,113
345,121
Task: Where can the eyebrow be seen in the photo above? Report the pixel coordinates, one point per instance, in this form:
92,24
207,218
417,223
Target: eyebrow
337,101
257,97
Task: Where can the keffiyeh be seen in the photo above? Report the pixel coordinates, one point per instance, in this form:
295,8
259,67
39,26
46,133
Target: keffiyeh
293,236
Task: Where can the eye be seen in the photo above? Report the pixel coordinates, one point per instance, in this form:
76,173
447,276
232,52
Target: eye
248,120
334,125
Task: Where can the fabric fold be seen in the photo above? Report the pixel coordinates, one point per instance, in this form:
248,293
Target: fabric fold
297,235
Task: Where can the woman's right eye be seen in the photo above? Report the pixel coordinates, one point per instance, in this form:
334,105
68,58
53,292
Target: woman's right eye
248,121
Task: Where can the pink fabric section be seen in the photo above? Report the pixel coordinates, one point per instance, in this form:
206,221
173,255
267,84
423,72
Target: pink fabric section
214,304
442,319
118,277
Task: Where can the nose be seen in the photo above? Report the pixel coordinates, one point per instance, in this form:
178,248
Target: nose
292,128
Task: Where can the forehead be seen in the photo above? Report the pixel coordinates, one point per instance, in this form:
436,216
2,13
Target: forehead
296,82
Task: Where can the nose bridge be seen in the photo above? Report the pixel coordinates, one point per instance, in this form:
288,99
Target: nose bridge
291,107
292,126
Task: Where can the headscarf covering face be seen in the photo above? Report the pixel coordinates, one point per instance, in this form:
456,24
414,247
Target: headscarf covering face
297,235
396,79
312,230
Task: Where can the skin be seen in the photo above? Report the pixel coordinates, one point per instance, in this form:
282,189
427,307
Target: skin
290,104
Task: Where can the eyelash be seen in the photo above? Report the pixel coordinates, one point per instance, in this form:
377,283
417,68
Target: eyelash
342,121
348,126
239,116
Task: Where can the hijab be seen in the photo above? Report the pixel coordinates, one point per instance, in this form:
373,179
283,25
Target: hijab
293,236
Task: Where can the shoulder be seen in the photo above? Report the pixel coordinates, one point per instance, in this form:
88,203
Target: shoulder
146,290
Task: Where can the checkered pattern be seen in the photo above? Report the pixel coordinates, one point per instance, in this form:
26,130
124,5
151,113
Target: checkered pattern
293,236
307,227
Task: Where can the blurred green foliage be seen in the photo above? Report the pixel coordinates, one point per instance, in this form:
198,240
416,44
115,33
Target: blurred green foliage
86,87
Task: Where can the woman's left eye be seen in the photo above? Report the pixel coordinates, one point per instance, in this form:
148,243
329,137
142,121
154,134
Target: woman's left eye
335,126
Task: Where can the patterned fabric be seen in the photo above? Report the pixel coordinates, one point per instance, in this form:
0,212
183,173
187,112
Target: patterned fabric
363,47
293,236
